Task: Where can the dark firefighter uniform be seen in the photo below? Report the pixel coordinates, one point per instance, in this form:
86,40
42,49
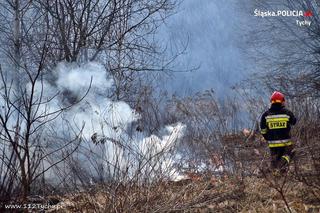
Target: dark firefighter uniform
275,127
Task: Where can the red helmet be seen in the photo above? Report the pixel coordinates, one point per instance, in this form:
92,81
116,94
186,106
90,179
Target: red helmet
277,97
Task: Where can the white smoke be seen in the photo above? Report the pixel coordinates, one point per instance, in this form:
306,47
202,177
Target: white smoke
154,145
77,79
107,120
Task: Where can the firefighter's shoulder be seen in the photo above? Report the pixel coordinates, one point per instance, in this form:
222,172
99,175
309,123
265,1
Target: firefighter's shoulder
267,112
288,112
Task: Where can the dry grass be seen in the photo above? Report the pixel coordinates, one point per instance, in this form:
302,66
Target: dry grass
229,195
238,192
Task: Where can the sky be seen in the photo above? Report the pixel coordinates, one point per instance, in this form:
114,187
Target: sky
214,32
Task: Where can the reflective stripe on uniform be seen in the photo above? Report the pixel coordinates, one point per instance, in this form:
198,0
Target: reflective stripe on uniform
277,119
263,131
278,116
280,143
286,157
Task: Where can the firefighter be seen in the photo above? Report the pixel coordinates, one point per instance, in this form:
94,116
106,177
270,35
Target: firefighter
275,127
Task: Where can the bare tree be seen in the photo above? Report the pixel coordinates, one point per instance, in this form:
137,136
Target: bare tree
23,119
119,33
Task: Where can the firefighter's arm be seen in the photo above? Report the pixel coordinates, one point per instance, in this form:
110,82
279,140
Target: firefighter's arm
263,126
293,119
